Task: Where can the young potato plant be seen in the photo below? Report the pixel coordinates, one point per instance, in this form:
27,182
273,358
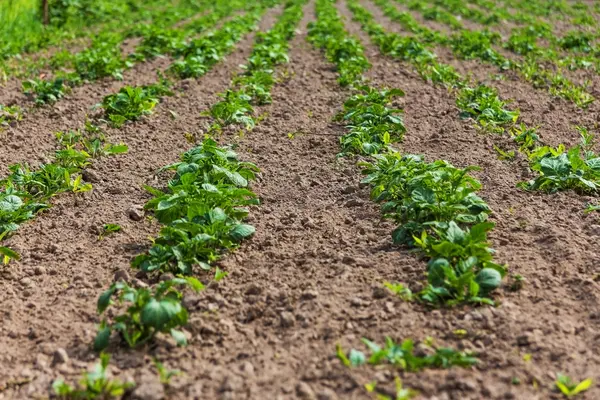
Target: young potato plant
484,106
46,92
94,385
102,59
403,356
577,168
131,103
202,210
372,125
148,312
10,114
569,388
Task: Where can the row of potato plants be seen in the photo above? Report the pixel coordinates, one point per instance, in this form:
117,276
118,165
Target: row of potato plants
202,212
434,215
469,44
556,169
28,190
411,192
104,57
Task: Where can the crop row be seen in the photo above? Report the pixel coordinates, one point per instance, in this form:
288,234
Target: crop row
434,204
202,211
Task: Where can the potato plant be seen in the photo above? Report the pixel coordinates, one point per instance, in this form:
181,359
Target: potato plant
149,311
202,210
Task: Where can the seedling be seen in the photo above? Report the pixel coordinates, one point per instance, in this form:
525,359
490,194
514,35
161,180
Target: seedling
165,374
399,290
94,385
109,229
570,389
149,311
504,155
403,356
46,92
402,393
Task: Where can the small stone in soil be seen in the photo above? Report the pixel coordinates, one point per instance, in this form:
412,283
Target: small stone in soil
60,356
287,319
136,213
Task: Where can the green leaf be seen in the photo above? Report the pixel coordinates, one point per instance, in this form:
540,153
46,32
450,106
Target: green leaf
357,358
9,253
102,338
582,386
179,337
158,313
488,279
242,231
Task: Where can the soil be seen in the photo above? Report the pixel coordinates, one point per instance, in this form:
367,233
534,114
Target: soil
312,275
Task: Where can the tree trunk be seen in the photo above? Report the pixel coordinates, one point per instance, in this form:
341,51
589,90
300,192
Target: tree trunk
45,12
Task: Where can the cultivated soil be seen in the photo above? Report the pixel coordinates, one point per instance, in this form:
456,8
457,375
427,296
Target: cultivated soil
312,276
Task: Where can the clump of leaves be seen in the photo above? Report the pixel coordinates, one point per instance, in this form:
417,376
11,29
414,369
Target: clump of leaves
569,388
483,104
94,385
9,114
526,137
131,103
418,194
234,109
203,209
560,169
577,41
477,44
461,267
109,229
101,60
403,356
46,92
372,124
149,311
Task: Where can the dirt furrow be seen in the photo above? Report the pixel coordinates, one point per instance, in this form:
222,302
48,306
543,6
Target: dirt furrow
52,291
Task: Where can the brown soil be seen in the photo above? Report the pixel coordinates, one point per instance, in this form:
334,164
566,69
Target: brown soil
311,276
